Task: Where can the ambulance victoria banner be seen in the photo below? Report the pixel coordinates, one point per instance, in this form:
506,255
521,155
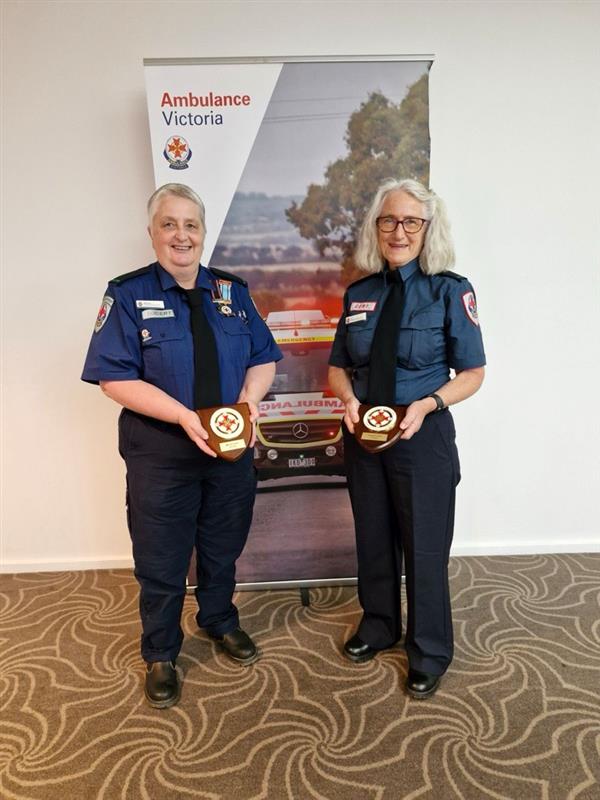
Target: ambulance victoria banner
287,156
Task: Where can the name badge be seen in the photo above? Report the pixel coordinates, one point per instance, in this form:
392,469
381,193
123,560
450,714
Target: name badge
149,303
363,306
151,313
356,318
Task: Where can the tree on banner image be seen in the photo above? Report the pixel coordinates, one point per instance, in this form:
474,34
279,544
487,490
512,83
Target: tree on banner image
384,140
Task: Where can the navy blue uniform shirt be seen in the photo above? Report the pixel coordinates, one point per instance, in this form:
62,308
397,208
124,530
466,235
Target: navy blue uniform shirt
439,330
143,331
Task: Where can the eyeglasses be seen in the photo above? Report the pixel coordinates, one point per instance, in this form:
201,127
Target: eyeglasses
410,224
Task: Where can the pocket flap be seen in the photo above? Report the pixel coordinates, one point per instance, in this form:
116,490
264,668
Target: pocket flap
430,318
233,325
153,331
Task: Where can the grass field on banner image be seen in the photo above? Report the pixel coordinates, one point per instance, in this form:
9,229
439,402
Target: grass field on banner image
331,133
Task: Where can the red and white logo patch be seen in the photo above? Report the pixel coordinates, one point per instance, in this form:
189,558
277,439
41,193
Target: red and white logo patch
470,306
363,306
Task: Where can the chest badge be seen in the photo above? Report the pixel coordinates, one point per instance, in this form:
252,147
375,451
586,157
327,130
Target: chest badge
356,318
225,310
363,305
149,303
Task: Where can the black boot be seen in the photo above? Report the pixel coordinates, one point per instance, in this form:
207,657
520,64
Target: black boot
358,651
238,646
162,687
421,684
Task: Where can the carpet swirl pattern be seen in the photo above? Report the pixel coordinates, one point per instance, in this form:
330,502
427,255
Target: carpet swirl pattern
517,717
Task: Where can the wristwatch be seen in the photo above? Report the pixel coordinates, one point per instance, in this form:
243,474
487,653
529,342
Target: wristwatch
438,401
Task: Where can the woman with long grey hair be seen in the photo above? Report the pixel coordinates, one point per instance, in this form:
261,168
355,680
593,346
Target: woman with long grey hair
409,342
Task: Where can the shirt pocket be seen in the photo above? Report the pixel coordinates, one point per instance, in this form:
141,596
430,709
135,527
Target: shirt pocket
164,348
237,337
359,338
421,340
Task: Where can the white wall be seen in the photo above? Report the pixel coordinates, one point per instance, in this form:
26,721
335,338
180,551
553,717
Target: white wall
515,128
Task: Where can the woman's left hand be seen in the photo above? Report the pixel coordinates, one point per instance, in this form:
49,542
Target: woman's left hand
415,414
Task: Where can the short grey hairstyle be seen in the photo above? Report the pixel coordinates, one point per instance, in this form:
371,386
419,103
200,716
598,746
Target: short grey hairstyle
175,190
437,254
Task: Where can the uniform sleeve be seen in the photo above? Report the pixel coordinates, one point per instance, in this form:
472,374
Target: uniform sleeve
114,353
264,348
463,333
339,356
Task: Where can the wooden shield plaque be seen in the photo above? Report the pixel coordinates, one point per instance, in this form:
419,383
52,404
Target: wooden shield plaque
379,426
229,429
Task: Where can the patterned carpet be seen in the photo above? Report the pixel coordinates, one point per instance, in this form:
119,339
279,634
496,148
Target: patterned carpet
517,717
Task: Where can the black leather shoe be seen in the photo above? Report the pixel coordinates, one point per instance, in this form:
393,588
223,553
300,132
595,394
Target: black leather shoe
421,684
162,688
238,646
358,651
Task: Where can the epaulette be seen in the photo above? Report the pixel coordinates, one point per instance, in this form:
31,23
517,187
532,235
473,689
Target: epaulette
360,280
229,276
454,275
134,274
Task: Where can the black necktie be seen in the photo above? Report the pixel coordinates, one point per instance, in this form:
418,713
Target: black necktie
207,383
384,349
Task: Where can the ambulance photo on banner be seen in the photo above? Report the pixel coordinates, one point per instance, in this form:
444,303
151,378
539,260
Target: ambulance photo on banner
286,155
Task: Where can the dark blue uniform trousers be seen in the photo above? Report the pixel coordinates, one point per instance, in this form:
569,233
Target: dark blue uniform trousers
179,497
403,505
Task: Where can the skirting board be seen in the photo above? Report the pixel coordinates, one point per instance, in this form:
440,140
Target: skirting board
532,548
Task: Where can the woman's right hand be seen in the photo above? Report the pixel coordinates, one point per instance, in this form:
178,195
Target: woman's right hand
190,422
351,413
341,386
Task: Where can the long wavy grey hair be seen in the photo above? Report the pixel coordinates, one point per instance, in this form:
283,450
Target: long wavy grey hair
437,254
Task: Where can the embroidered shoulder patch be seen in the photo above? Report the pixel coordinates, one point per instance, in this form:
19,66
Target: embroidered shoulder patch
107,303
470,306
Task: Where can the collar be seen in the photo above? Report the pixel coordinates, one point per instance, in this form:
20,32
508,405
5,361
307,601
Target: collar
167,281
405,272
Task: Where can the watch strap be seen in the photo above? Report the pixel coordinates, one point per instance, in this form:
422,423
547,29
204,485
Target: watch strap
438,401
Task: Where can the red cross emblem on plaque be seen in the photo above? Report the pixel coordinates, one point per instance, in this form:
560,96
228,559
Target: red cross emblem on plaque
227,423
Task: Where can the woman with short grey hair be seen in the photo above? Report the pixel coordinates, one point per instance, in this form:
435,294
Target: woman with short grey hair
407,346
175,190
170,338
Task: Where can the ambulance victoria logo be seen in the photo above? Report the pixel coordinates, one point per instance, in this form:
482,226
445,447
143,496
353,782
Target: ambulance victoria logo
177,152
226,423
380,418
